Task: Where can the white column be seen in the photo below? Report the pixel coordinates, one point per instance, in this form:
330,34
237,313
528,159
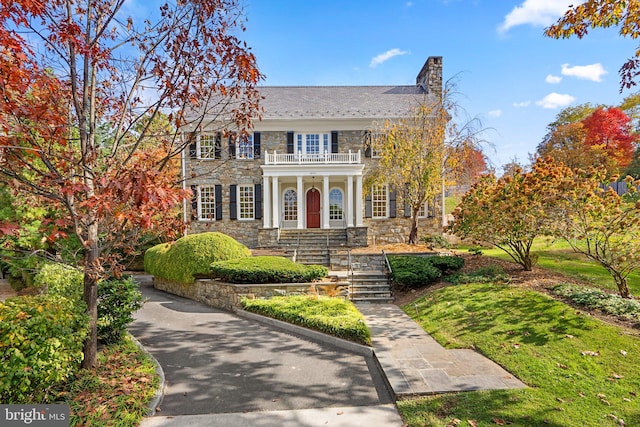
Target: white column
300,192
325,202
359,222
275,206
349,201
266,207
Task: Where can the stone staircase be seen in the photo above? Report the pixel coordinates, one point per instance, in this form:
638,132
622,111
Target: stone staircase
364,286
312,246
315,246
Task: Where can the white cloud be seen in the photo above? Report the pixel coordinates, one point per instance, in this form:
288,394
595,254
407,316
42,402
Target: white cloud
553,79
593,72
379,59
538,13
555,100
522,104
495,113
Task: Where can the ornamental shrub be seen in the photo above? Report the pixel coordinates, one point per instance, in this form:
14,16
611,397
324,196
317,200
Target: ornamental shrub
598,299
42,338
410,271
192,255
446,263
60,279
118,299
333,316
266,269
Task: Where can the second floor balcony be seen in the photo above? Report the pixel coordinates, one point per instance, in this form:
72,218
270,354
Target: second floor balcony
299,158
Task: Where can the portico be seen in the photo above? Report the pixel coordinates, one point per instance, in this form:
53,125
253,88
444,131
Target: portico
304,191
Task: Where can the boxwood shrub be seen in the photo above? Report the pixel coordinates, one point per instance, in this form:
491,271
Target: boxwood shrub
192,255
412,271
266,269
42,339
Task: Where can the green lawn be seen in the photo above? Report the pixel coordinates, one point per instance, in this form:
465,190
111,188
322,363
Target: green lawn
556,255
580,371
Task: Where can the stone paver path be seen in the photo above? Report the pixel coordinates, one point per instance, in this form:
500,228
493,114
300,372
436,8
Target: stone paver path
415,364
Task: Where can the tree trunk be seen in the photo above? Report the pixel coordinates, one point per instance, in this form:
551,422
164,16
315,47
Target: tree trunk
413,234
623,287
91,276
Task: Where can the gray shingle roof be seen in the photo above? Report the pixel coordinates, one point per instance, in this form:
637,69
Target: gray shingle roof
339,102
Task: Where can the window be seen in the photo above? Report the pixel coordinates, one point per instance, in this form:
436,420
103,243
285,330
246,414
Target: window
207,144
207,203
379,201
290,205
312,143
335,205
426,211
244,148
246,199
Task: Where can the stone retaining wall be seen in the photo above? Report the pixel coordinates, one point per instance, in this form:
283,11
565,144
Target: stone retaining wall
226,296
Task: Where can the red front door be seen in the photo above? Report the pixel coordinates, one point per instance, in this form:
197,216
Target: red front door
313,208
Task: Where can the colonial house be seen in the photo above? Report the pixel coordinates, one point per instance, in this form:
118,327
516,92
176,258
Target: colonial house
303,167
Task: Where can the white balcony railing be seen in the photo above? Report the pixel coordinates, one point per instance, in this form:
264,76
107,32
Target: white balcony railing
320,158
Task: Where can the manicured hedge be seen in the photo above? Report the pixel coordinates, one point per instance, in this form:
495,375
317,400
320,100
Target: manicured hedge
412,271
266,269
42,339
192,255
333,316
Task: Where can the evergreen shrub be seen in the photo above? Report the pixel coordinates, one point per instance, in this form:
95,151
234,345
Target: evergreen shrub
191,256
266,269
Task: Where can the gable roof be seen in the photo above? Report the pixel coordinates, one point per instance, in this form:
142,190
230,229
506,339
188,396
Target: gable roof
339,102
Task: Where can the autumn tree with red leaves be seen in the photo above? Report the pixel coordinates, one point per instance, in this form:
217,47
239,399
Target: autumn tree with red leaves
85,86
610,129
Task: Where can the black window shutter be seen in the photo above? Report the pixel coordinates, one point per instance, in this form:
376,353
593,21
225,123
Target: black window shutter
367,143
290,143
258,201
232,146
334,141
193,145
233,205
194,202
392,204
256,145
218,197
368,208
218,146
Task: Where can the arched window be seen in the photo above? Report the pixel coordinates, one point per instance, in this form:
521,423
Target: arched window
290,205
336,211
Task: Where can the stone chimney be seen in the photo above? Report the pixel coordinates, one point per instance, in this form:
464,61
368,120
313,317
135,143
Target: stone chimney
430,76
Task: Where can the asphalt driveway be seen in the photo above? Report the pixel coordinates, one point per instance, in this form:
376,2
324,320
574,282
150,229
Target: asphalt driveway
216,362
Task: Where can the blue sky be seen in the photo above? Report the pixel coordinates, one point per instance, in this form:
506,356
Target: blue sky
509,75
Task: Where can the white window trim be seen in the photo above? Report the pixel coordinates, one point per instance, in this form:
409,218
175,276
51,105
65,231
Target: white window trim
341,204
239,202
213,194
373,210
324,142
284,204
199,149
250,150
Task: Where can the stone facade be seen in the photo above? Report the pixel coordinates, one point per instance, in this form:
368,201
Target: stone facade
340,119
